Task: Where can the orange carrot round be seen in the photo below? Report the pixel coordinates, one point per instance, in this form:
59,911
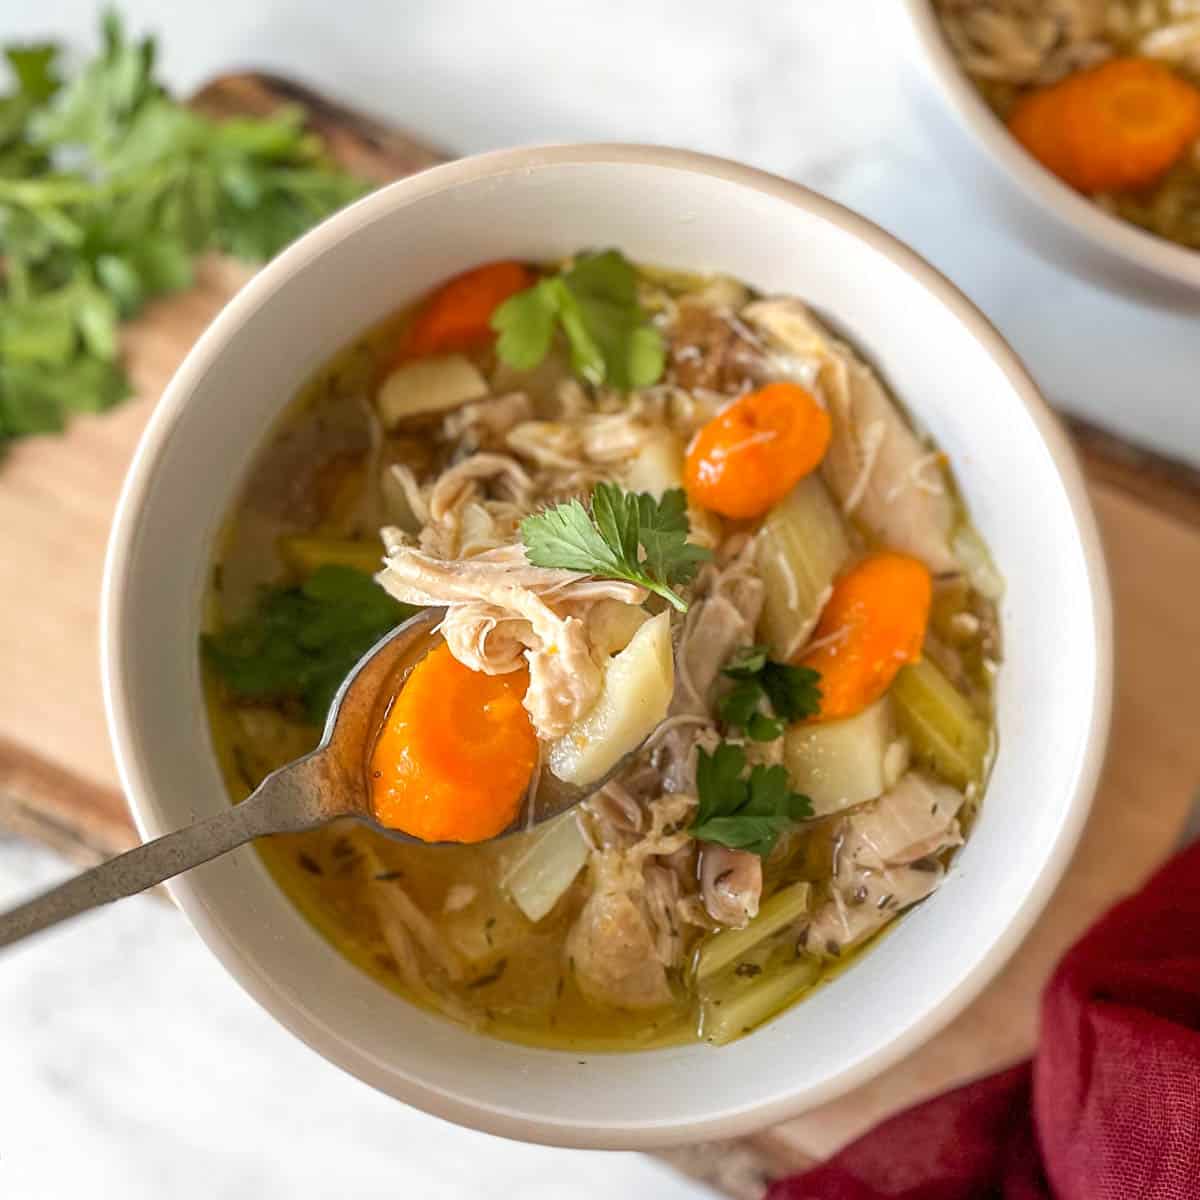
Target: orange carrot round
748,457
457,316
872,624
1115,127
456,752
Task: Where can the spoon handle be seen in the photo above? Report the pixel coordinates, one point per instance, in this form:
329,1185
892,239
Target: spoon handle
281,803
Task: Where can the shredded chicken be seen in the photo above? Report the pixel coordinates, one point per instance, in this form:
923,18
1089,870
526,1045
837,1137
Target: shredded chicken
502,612
886,861
611,947
876,464
1025,42
731,884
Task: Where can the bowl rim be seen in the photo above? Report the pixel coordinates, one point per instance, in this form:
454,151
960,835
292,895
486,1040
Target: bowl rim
122,720
1068,207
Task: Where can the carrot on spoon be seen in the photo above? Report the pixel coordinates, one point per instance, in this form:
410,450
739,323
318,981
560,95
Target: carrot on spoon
1116,127
748,457
873,623
456,752
457,316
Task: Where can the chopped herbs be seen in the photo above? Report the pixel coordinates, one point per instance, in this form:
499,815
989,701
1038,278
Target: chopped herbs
744,812
622,535
301,642
595,303
792,692
109,191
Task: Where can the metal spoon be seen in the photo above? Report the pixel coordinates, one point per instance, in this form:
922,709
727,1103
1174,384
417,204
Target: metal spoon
328,784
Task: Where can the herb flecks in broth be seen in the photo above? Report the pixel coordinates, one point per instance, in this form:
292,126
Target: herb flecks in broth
763,836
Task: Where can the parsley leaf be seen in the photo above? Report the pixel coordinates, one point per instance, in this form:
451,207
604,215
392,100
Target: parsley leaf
793,693
625,535
610,338
302,642
744,812
109,191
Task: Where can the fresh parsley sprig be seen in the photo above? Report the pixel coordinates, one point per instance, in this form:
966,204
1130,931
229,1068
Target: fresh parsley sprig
793,693
109,191
301,642
595,303
744,812
621,535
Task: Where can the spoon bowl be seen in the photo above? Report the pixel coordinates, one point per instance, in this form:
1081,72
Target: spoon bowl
329,784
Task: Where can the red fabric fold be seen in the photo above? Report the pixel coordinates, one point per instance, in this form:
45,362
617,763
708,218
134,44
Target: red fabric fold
1109,1107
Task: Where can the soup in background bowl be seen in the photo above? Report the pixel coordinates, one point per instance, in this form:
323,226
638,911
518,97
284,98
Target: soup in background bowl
938,357
1085,116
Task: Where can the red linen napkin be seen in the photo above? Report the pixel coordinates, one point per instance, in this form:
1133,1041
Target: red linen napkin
1109,1107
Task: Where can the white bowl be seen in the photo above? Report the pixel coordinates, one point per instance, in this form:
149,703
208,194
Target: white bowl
946,362
1061,223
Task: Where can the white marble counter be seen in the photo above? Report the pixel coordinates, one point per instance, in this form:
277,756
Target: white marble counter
131,1067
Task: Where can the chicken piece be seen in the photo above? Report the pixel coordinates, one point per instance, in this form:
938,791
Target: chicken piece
501,611
611,947
485,423
1022,42
723,615
885,862
708,350
876,466
731,884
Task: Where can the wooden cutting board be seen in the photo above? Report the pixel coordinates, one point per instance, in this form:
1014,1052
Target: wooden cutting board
58,782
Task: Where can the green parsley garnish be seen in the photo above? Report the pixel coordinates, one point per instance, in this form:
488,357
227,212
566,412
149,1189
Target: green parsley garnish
792,692
744,812
622,535
301,642
109,190
595,303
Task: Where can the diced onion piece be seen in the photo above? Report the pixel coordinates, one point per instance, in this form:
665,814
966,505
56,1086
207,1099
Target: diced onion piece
802,547
943,729
540,876
657,467
739,1005
428,385
634,698
838,764
720,950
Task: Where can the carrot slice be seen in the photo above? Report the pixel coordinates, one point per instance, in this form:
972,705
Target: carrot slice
873,623
456,752
748,457
457,316
1116,127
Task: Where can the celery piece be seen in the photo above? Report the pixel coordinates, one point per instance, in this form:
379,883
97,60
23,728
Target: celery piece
945,732
802,547
838,764
719,950
540,876
304,554
738,1005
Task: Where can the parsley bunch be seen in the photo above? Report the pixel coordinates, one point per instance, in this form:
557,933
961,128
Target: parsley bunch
596,305
744,812
301,642
793,693
621,535
109,190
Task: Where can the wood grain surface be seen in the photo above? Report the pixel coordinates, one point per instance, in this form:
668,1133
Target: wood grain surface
58,782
